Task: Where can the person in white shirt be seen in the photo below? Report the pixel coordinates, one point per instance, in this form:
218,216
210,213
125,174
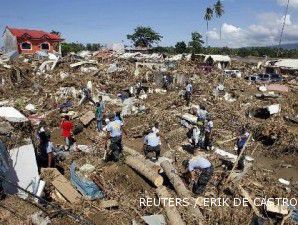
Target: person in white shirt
114,133
152,144
196,138
188,92
202,114
208,132
195,165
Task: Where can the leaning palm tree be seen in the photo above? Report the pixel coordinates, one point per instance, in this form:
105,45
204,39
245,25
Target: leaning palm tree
208,16
219,11
283,28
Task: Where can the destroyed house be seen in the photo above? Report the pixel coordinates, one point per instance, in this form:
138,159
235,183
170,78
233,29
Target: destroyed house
27,41
220,61
282,66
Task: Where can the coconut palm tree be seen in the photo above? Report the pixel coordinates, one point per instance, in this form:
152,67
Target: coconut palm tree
219,11
208,16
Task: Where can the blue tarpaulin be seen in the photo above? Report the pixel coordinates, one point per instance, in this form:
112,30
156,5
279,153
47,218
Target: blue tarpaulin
86,187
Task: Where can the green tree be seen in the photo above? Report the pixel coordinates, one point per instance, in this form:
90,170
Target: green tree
180,47
196,42
219,11
144,37
208,16
71,47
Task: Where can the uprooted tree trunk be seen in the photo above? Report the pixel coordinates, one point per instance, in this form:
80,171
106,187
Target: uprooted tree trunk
141,157
182,191
172,213
145,169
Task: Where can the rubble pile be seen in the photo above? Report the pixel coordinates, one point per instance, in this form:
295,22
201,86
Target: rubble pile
85,189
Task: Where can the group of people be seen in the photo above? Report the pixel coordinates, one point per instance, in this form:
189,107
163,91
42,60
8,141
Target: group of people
198,169
200,134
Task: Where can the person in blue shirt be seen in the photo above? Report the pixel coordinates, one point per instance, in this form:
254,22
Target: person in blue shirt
201,165
152,144
188,92
99,114
114,134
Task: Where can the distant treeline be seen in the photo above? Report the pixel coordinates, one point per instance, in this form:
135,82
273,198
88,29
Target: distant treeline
183,48
243,52
76,47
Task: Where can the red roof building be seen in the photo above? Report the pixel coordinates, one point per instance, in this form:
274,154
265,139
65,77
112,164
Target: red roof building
27,41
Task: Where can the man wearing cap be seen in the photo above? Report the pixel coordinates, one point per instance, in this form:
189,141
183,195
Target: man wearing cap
114,133
195,165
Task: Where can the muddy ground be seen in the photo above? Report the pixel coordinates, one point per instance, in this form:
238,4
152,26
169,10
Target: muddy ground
272,161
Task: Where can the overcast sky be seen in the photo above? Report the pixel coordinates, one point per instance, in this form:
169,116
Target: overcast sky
245,22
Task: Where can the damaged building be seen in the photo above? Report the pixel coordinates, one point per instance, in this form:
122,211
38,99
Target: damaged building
26,41
282,66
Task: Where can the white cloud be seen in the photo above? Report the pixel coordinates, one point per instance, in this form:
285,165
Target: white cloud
293,3
265,32
213,34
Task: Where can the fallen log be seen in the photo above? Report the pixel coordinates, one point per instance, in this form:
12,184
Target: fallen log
172,213
141,157
176,181
145,169
182,191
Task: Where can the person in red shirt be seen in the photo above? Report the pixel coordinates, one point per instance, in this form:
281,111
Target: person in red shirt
66,130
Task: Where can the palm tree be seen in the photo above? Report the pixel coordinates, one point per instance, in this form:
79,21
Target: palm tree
208,16
219,11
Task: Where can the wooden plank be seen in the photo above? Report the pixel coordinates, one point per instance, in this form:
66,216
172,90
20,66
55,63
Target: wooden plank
245,194
109,204
64,187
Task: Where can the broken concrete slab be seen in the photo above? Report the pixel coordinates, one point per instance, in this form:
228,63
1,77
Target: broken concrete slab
23,170
12,115
87,118
279,209
154,220
273,109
